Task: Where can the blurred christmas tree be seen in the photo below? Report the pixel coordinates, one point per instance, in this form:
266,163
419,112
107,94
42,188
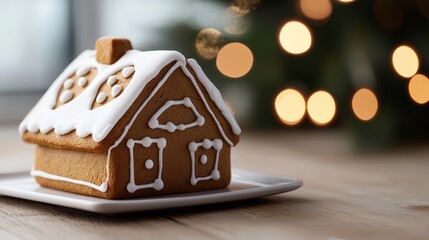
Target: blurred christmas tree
350,47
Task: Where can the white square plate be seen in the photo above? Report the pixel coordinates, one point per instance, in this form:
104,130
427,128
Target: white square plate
244,185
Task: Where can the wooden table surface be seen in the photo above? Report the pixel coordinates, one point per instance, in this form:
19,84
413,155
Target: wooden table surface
346,195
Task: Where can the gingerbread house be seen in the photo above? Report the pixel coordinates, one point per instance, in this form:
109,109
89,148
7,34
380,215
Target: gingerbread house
122,123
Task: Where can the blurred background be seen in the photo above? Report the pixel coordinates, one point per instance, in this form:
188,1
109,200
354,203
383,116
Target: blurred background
351,66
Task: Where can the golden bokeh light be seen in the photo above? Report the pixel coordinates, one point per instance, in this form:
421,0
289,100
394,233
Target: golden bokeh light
236,22
405,61
321,107
316,9
234,60
236,11
208,43
418,88
246,5
295,37
364,104
346,1
290,106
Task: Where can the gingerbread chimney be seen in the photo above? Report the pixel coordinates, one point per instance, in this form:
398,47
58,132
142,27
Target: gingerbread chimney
109,49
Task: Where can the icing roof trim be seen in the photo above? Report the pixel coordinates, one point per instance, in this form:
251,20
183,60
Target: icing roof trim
77,114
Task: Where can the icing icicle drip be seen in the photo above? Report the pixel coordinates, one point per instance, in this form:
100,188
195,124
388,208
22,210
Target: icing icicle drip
100,121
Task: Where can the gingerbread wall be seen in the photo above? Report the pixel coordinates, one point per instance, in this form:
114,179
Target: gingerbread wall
176,171
177,167
76,165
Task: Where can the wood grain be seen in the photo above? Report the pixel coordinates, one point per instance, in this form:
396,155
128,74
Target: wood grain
346,195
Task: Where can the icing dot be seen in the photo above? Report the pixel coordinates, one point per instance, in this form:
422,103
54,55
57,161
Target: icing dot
181,127
33,127
82,81
130,143
148,164
158,184
215,175
116,90
131,188
162,143
68,84
103,187
187,102
111,80
217,144
192,146
82,71
170,127
203,159
66,96
146,141
101,97
193,181
126,72
200,120
207,144
153,123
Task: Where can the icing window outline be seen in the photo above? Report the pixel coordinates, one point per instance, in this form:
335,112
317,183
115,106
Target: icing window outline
146,142
171,127
217,145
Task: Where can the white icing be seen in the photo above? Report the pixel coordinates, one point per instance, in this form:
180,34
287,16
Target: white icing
66,96
217,144
207,144
82,81
101,97
68,84
126,72
100,121
77,115
111,80
148,164
83,71
215,96
103,187
171,127
37,173
203,159
157,184
116,90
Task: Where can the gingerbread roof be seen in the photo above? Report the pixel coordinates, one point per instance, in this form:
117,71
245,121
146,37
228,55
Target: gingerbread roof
62,112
